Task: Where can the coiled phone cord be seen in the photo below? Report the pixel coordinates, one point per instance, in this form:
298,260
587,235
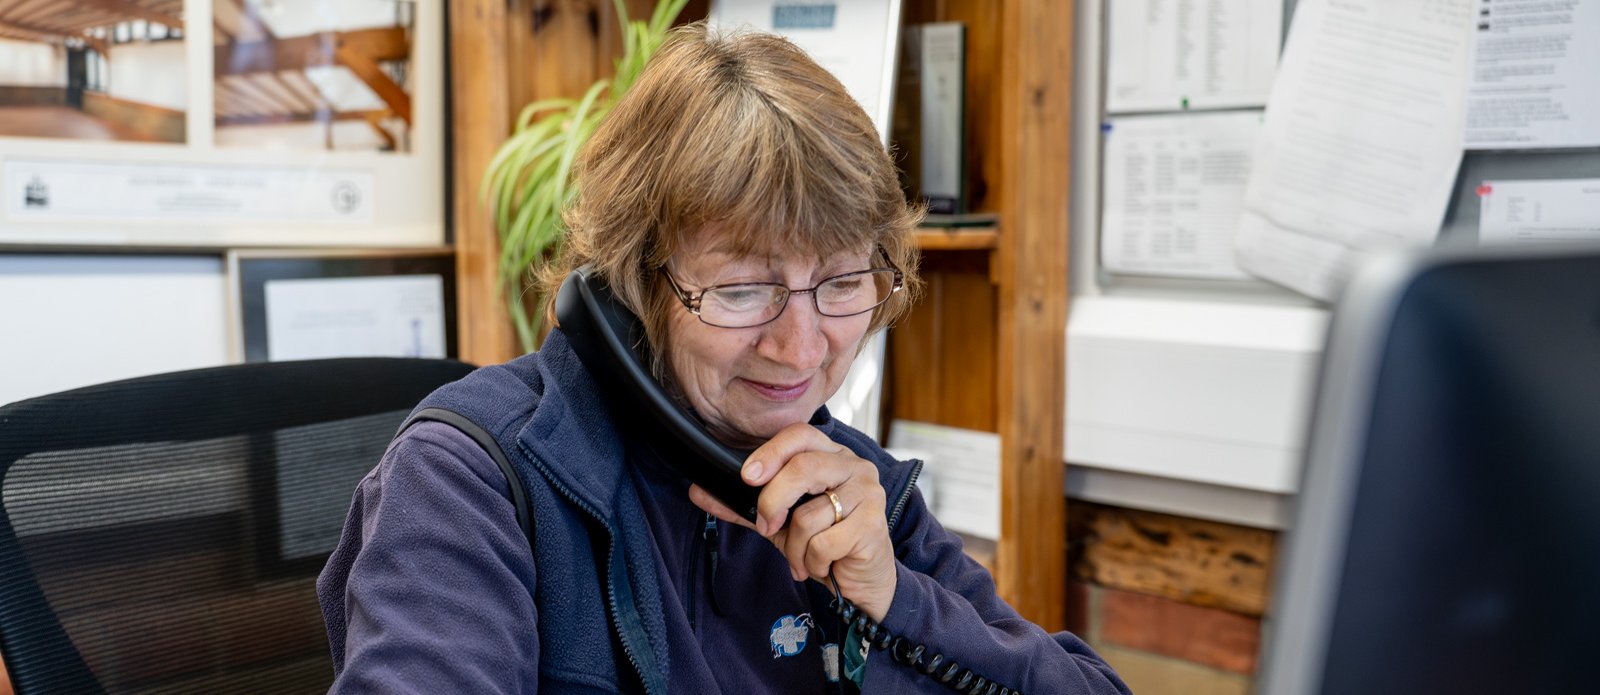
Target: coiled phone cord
905,652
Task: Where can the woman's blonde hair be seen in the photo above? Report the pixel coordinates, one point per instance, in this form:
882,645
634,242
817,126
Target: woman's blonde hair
745,135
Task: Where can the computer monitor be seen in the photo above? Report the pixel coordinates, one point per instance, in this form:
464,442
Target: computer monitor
1446,538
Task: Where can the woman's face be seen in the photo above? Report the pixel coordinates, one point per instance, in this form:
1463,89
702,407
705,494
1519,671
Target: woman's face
748,383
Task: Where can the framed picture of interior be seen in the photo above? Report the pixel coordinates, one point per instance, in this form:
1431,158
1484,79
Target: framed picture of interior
93,71
222,123
298,304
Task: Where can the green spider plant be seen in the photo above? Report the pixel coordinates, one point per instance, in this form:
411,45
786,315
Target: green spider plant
529,182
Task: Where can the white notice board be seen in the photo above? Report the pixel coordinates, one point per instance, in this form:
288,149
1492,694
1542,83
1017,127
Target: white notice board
75,320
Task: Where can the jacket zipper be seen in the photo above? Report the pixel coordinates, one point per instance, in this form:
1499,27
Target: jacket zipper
905,495
694,582
628,649
712,535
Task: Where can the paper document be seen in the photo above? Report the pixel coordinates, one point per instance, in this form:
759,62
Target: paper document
1171,55
1174,187
400,316
1534,82
1361,140
964,468
1539,211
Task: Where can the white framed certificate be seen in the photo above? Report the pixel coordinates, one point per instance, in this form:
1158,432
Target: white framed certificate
217,124
298,304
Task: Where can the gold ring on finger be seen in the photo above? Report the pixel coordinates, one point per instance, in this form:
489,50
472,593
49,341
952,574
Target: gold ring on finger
838,509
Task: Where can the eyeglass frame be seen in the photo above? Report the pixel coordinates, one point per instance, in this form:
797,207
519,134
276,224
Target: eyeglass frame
691,301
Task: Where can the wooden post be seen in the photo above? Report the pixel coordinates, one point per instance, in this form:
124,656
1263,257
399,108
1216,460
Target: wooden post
480,120
1035,110
506,54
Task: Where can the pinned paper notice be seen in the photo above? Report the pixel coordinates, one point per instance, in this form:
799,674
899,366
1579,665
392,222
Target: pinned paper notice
1361,141
1534,76
1172,55
1531,212
1173,189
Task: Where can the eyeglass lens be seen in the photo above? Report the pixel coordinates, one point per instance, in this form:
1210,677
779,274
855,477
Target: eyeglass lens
744,306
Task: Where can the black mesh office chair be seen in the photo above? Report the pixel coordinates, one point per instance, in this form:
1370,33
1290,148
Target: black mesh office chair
163,534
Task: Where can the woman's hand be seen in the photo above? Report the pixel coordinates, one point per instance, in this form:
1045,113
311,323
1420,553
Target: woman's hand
802,461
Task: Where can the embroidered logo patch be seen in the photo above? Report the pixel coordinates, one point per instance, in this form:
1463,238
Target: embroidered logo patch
789,634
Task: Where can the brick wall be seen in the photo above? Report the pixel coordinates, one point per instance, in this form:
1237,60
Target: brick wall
1174,604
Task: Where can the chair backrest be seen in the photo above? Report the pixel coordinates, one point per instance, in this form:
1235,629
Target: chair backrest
163,534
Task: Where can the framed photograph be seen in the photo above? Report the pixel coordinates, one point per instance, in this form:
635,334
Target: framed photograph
217,124
313,76
93,71
312,304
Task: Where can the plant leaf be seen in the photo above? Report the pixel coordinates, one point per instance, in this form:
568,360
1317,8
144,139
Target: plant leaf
528,181
570,151
529,111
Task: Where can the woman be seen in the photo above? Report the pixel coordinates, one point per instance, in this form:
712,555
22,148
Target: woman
740,203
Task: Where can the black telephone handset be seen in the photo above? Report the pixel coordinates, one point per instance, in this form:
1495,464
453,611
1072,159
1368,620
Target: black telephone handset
610,342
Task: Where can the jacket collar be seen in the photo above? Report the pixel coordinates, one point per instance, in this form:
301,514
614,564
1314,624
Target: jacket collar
570,431
574,436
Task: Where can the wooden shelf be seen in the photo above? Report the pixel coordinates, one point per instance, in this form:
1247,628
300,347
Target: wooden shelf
958,238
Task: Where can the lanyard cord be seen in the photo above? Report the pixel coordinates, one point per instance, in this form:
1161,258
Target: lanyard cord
904,651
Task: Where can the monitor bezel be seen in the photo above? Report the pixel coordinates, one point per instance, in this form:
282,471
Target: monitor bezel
1305,584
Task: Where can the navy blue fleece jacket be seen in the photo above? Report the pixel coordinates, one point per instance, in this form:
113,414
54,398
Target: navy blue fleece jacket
627,586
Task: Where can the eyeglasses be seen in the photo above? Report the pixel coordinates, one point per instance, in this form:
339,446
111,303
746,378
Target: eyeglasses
751,304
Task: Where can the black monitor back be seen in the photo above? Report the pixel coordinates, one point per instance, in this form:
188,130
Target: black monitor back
1447,534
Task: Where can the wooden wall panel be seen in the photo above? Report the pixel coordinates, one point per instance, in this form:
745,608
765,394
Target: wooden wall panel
1034,131
480,113
943,366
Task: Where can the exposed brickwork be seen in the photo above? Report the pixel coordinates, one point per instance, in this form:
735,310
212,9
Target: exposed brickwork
1078,608
1209,636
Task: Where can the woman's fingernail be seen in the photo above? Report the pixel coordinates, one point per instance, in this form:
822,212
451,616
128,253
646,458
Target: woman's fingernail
752,471
761,525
